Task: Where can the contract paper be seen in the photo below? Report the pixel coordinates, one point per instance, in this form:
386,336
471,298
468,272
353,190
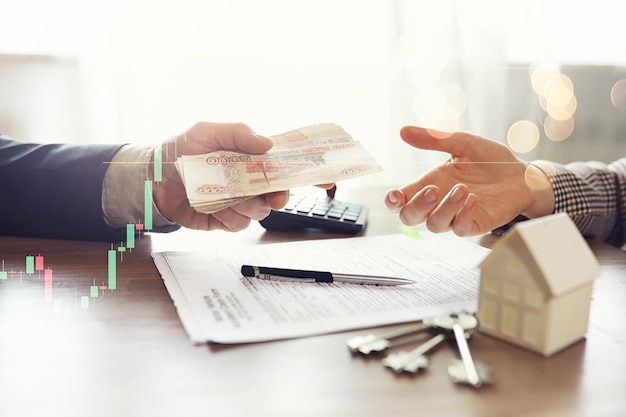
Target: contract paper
217,304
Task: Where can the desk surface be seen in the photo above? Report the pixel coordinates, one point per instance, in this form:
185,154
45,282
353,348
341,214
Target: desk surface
127,354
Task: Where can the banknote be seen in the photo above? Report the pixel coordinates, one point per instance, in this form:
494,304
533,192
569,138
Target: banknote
317,154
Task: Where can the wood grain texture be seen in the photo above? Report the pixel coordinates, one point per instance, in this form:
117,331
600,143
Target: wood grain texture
128,354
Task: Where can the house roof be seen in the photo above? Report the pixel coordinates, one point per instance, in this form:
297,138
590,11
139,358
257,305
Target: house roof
557,249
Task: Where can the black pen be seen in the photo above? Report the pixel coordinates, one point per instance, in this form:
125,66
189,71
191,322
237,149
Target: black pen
300,275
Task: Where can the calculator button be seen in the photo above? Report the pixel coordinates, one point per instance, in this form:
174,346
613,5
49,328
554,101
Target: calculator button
290,206
335,214
320,211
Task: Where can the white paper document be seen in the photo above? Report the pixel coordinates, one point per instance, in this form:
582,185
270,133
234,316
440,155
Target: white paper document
217,304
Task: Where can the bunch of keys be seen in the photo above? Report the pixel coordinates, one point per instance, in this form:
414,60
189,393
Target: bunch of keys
459,326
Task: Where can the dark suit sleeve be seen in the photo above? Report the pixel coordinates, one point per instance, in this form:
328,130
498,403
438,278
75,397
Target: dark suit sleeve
54,191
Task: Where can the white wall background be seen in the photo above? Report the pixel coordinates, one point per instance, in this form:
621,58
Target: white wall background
139,70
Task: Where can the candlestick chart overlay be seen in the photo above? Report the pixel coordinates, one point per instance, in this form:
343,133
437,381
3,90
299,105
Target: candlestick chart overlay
38,268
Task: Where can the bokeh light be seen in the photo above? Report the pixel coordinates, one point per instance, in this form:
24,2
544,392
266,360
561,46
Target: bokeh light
543,103
557,82
439,134
558,91
535,179
562,111
523,136
539,76
558,130
555,92
618,94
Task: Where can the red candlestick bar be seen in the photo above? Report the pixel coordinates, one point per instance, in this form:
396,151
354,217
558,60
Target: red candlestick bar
38,263
48,284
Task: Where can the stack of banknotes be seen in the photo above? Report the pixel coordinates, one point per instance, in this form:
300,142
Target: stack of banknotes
319,154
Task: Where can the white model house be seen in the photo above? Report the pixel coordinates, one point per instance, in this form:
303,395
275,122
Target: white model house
535,285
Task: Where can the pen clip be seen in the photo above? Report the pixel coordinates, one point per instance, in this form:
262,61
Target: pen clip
270,277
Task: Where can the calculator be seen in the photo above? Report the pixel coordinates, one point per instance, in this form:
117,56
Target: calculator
325,214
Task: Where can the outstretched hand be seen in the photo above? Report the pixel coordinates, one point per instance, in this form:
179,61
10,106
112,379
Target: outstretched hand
171,198
481,186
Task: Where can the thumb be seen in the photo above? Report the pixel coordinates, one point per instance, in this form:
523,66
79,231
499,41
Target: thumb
238,137
429,139
247,141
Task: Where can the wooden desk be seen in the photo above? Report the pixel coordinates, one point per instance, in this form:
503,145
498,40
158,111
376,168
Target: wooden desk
128,355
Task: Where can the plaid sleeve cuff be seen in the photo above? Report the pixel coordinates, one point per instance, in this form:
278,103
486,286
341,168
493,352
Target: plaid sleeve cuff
586,191
568,196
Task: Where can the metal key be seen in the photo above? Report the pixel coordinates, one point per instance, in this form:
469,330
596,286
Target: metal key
458,374
376,343
414,360
462,325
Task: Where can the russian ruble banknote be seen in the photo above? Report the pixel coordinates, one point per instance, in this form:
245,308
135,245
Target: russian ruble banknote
319,154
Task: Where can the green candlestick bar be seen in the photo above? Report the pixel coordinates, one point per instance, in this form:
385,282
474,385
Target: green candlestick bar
112,269
158,164
130,236
30,264
148,206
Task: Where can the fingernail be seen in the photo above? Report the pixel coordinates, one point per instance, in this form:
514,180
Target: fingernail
392,198
258,135
457,195
430,196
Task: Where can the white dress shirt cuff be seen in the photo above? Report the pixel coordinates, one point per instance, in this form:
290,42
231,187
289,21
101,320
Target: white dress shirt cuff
123,192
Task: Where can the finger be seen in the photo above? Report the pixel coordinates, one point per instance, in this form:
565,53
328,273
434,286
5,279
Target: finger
453,143
463,224
441,218
208,137
459,145
395,200
440,183
231,220
277,200
256,208
418,208
239,136
188,217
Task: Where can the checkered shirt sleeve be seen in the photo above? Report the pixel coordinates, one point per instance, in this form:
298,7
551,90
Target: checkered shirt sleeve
594,196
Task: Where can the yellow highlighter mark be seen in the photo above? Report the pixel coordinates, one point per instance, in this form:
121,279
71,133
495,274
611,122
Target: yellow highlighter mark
410,231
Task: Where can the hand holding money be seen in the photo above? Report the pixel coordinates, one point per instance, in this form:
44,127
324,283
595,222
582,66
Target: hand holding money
169,194
318,154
